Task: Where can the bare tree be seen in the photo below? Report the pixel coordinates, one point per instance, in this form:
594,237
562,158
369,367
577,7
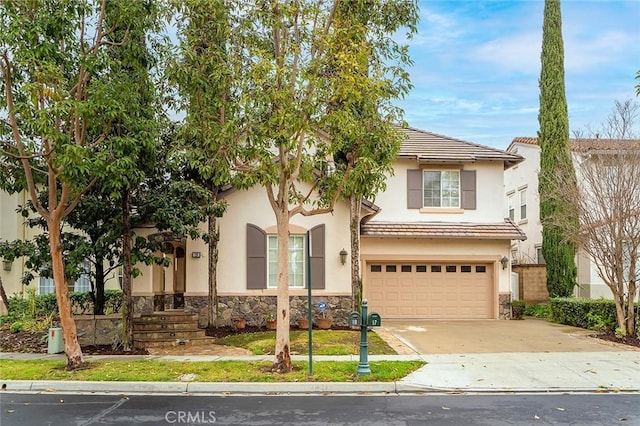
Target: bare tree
608,206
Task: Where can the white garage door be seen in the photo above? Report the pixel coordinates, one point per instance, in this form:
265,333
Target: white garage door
430,290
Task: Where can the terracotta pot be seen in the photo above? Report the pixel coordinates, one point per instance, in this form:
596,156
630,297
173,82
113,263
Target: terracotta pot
303,323
324,323
239,324
272,324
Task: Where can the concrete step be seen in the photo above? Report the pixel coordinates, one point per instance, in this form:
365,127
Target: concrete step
171,342
168,334
167,316
164,325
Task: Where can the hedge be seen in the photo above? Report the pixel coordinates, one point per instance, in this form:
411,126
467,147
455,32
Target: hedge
593,314
81,303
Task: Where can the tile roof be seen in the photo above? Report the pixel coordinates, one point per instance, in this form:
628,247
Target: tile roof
585,144
427,147
507,230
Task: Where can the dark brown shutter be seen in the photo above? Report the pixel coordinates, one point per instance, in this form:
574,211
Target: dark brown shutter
468,189
414,189
316,244
256,257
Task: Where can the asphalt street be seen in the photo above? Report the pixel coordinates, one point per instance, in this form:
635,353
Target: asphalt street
495,410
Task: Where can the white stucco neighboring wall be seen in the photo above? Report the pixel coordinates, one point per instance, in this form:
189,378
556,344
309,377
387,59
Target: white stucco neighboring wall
525,176
489,178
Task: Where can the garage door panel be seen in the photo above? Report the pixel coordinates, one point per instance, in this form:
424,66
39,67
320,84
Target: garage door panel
438,291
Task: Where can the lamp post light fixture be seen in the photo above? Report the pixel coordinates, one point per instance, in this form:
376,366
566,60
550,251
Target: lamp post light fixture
6,265
504,262
343,256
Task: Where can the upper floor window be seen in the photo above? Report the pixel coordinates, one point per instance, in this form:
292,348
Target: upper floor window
296,261
510,206
523,203
441,188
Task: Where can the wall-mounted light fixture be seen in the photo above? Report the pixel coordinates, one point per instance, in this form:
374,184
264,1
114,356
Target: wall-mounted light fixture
504,262
343,256
196,254
6,265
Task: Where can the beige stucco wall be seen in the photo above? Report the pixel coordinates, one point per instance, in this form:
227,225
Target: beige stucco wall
489,179
13,227
489,251
252,206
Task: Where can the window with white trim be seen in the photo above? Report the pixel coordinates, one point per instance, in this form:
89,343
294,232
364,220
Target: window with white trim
441,188
83,283
523,203
296,261
46,285
510,206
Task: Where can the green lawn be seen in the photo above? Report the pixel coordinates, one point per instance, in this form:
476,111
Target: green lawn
325,342
203,371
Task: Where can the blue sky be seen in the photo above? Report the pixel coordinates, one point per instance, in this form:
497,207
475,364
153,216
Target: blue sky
477,64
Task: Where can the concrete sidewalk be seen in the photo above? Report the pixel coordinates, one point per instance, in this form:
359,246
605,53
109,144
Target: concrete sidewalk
501,372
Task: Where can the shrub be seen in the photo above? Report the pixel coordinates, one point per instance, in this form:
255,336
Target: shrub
538,311
517,309
16,327
599,314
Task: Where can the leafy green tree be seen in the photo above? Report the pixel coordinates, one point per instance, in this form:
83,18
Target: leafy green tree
296,74
78,98
555,160
49,55
204,75
365,130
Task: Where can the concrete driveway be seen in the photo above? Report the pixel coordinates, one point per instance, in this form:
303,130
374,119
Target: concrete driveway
490,336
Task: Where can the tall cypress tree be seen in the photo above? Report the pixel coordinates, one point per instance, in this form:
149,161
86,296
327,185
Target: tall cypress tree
556,167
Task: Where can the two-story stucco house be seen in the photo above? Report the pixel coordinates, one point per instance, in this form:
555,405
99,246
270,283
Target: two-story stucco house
522,205
434,245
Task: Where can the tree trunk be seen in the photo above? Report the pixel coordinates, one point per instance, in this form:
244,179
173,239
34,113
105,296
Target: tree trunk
214,236
4,301
71,346
282,362
620,312
98,301
631,314
355,205
126,270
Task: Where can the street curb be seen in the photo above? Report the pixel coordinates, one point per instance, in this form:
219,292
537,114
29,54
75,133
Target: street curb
278,388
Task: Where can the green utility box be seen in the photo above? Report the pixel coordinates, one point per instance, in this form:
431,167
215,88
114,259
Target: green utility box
56,342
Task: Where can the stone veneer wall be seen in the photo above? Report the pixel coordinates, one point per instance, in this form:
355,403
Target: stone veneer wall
143,305
99,329
504,306
255,309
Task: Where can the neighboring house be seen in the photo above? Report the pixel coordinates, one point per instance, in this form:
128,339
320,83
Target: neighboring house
522,206
435,245
14,227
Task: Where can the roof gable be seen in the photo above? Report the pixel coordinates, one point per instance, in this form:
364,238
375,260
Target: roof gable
427,147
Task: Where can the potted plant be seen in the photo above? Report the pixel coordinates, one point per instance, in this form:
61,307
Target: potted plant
324,322
239,323
271,322
517,309
303,322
